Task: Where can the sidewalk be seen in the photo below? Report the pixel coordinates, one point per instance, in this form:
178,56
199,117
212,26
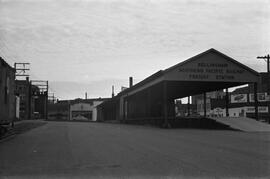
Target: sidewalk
22,127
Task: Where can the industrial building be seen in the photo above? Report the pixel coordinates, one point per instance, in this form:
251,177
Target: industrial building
241,101
30,101
153,99
7,95
23,91
75,110
58,111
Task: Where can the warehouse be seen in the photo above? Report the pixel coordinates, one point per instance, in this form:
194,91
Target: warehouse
153,99
7,95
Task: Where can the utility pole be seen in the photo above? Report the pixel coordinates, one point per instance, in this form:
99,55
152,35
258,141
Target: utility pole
267,59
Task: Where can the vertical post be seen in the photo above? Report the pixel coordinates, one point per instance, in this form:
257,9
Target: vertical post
130,82
165,105
255,101
227,102
268,58
47,86
127,108
125,113
29,99
204,103
148,103
188,106
112,91
267,81
69,113
268,86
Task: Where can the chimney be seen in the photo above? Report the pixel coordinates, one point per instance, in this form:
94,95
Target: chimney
130,81
85,95
112,91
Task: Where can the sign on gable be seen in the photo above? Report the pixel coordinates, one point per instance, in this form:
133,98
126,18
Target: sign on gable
211,67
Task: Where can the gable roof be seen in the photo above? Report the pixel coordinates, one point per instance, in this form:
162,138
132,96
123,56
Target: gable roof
211,50
5,64
161,73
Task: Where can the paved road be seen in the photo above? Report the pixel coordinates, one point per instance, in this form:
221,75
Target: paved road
66,149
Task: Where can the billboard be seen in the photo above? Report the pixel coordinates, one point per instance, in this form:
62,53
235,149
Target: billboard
238,98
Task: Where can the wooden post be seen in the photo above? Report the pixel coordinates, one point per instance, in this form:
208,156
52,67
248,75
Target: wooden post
47,88
204,103
29,115
255,101
188,106
148,103
165,104
227,102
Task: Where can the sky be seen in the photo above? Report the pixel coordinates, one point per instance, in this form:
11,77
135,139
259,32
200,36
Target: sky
89,45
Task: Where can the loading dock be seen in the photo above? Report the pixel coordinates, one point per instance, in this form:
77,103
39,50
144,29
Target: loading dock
153,98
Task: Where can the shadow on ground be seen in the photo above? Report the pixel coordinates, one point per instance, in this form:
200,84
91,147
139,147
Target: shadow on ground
22,127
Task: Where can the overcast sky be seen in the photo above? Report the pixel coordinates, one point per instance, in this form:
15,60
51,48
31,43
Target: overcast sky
100,43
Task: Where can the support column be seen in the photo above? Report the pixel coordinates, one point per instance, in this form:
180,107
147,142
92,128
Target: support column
204,103
268,86
255,101
29,115
148,102
227,102
125,109
46,111
165,105
188,106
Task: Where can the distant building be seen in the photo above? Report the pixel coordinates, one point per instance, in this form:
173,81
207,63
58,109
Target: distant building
84,109
7,95
75,110
241,101
181,110
28,96
215,103
58,111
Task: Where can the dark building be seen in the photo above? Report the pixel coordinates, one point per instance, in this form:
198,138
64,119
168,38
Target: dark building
7,95
242,99
153,99
77,109
23,91
40,103
58,111
183,110
30,100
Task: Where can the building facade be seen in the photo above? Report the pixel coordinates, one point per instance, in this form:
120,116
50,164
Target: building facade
7,95
84,109
29,99
58,111
153,99
23,91
241,102
75,110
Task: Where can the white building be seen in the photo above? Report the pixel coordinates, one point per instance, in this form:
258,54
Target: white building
84,109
